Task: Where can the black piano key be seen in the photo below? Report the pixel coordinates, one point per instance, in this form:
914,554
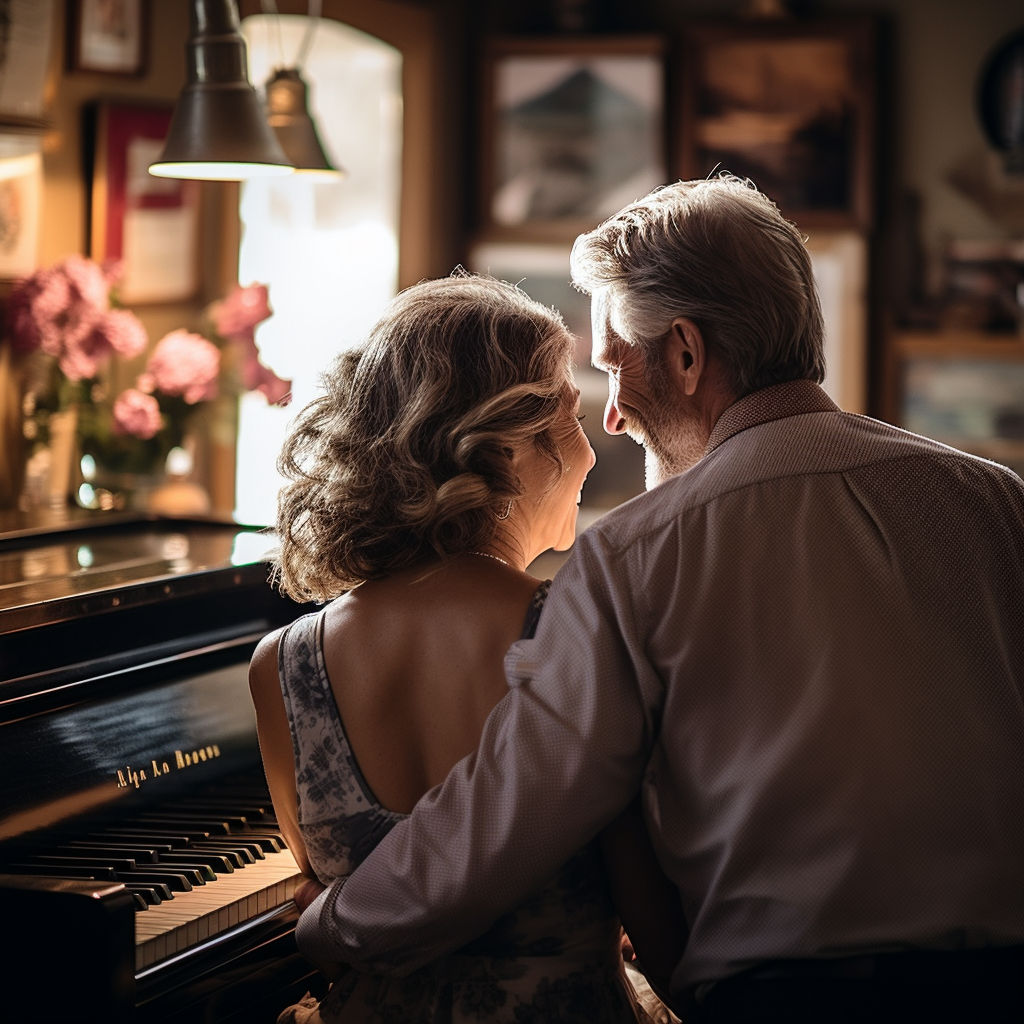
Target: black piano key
160,889
204,871
139,899
160,846
176,842
97,874
246,851
188,822
140,854
217,861
239,858
271,842
146,893
85,860
176,881
216,806
165,829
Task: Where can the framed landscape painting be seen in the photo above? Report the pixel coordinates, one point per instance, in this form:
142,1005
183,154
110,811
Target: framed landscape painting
790,105
573,129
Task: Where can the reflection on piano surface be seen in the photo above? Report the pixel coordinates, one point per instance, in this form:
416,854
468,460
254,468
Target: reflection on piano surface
142,876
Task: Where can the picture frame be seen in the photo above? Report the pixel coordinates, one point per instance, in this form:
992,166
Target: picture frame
839,261
25,64
572,129
21,191
790,105
150,224
108,37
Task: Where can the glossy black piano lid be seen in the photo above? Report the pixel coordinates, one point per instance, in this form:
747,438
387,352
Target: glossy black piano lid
124,645
95,597
50,574
115,753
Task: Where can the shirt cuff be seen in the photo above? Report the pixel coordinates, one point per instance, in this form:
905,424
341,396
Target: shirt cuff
316,932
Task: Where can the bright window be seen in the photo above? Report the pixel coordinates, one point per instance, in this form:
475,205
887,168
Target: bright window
327,251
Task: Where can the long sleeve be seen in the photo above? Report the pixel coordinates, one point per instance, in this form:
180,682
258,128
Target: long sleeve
560,757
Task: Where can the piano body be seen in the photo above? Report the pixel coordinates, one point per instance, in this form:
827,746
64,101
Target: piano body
141,874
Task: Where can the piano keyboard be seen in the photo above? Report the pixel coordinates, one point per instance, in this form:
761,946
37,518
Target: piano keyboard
179,924
196,867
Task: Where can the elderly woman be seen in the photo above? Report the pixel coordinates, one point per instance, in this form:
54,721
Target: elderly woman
444,456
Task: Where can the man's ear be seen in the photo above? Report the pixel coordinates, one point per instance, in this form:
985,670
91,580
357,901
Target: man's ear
685,355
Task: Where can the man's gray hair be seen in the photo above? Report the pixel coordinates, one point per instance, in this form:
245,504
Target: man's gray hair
719,253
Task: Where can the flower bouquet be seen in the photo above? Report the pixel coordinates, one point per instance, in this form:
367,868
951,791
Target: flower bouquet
89,390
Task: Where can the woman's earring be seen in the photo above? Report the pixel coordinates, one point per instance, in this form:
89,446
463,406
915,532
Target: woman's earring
506,512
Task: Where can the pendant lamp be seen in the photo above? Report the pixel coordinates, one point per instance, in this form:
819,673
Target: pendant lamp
219,130
288,115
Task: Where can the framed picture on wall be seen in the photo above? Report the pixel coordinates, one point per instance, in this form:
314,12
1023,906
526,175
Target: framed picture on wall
107,36
790,105
151,224
573,129
25,36
21,190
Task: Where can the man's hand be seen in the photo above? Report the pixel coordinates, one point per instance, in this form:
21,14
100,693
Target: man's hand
306,893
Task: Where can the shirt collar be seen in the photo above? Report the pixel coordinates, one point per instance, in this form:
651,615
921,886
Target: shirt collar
792,398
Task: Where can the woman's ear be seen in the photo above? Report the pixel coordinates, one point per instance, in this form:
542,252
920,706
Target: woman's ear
685,355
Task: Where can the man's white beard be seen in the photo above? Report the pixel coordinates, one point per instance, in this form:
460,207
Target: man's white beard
672,440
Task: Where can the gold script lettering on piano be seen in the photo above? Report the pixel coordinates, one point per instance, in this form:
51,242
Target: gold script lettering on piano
186,759
129,776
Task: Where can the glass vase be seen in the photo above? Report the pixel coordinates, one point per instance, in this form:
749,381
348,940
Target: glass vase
113,487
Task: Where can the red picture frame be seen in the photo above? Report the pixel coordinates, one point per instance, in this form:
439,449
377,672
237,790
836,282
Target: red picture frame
151,224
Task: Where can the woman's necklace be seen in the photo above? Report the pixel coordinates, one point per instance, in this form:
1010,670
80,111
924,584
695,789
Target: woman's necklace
484,554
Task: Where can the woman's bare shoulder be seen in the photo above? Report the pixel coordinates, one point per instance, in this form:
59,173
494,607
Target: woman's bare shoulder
263,665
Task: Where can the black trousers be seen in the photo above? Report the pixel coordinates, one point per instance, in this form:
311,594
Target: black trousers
962,987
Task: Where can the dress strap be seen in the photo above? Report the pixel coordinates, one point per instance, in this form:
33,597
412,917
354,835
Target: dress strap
540,595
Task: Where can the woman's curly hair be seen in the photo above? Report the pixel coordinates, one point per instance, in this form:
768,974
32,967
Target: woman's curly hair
409,453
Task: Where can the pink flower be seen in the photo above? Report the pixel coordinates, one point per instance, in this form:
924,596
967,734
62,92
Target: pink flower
136,413
113,271
34,309
241,311
257,377
274,389
56,310
87,278
84,354
124,332
184,364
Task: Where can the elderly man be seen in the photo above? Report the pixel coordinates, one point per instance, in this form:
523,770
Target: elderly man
804,646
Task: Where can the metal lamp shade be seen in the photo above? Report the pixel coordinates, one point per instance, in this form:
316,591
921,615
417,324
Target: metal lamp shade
288,115
218,130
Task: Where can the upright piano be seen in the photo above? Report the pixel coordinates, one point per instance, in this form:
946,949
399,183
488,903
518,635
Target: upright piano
142,876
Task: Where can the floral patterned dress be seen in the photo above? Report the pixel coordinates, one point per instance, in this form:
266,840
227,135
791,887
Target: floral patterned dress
554,958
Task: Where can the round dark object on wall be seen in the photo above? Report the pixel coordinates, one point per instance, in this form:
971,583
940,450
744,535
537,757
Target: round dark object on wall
1001,98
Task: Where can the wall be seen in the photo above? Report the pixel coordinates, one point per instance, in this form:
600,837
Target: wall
64,194
932,55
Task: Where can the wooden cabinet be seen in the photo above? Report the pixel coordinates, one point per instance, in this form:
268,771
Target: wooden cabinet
965,388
